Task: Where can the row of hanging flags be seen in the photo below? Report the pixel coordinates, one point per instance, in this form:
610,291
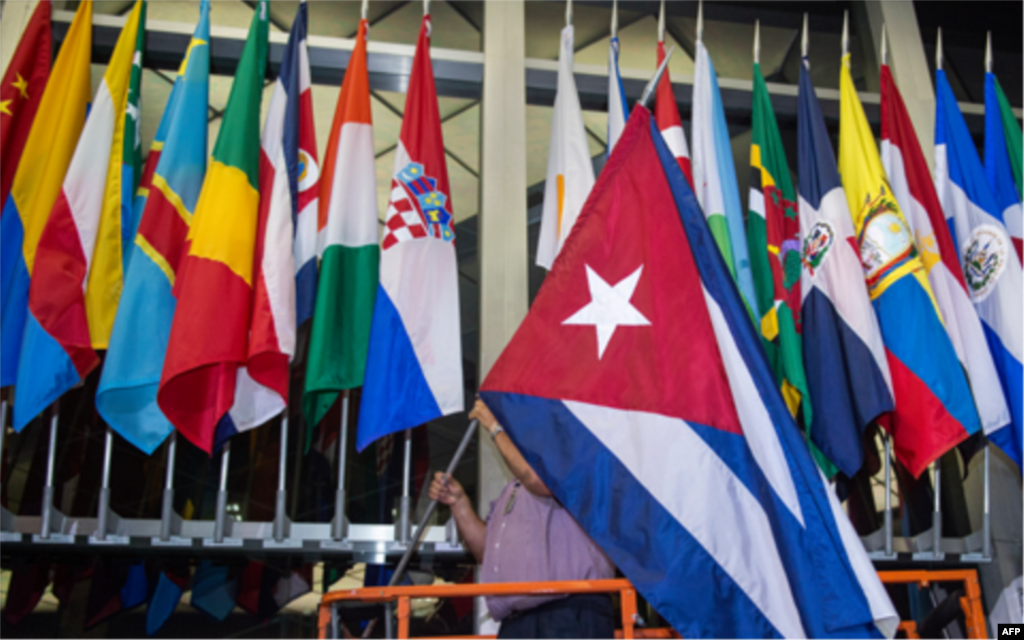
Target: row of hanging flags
871,291
193,273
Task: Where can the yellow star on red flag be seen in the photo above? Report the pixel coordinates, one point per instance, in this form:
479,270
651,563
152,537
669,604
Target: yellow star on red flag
21,84
5,107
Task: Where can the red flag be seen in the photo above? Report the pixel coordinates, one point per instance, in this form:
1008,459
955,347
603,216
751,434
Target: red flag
666,115
21,92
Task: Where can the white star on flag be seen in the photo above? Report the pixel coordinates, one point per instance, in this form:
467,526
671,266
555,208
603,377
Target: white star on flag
609,307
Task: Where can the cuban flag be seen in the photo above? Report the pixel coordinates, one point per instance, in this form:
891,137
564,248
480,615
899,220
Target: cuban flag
991,270
262,384
998,168
637,389
414,364
844,356
914,190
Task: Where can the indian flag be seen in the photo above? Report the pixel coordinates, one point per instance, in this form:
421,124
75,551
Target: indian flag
349,266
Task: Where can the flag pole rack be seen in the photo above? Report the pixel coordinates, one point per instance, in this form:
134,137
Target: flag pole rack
53,523
170,521
339,525
108,523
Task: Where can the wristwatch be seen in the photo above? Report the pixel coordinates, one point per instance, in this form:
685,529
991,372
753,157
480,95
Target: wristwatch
495,431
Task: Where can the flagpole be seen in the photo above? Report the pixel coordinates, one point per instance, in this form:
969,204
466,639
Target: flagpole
986,531
888,495
885,50
568,13
102,515
661,21
220,521
988,52
282,494
757,42
846,32
339,531
615,18
653,83
167,507
421,527
404,515
804,39
51,461
938,49
700,20
366,4
937,515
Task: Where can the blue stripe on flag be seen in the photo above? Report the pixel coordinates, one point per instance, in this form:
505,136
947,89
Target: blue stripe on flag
305,290
289,78
1011,375
816,165
14,283
396,395
42,378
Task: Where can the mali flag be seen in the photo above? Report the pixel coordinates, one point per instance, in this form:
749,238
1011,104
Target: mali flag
79,269
934,407
177,162
340,336
21,93
773,237
214,284
44,161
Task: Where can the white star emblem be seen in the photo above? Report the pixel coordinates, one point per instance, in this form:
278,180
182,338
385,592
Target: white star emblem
609,307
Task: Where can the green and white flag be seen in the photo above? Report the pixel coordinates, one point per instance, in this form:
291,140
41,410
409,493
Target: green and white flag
350,257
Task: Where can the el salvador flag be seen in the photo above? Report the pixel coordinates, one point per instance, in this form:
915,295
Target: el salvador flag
991,268
637,389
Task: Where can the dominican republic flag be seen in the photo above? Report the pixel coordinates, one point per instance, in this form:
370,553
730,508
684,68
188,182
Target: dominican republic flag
913,187
844,358
79,266
637,389
934,407
414,363
126,397
262,390
618,110
666,114
37,182
986,252
570,173
714,177
303,169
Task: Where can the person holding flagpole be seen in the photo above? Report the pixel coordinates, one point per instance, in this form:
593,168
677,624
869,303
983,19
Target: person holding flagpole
529,536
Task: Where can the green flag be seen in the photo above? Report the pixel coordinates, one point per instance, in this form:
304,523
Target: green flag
1014,144
773,237
347,286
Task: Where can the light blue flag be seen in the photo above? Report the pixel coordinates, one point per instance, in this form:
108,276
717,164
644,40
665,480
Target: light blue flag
131,373
992,270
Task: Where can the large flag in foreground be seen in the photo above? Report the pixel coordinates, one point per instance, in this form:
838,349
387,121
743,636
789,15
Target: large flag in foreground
992,275
637,390
915,192
666,114
126,397
349,267
934,407
773,234
847,371
214,284
414,362
21,93
1003,158
37,183
79,268
570,175
714,177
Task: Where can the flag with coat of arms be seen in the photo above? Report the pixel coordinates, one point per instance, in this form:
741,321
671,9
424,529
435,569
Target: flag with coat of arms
414,362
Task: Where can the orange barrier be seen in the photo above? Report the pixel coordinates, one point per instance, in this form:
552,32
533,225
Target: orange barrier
974,614
404,595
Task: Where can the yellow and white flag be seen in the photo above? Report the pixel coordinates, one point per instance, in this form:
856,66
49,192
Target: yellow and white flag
570,171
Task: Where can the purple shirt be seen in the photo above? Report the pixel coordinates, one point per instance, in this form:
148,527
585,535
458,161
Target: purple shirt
533,539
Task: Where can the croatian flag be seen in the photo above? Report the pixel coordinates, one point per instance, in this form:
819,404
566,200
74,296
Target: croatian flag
637,389
991,270
262,390
848,375
914,190
414,364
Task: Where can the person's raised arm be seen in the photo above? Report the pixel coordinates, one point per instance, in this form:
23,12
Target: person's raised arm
517,464
471,527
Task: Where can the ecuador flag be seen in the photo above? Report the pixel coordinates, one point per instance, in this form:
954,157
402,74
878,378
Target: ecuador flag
78,273
934,407
214,285
44,161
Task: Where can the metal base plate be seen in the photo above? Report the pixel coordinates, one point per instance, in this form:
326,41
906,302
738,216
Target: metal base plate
110,539
173,541
227,542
